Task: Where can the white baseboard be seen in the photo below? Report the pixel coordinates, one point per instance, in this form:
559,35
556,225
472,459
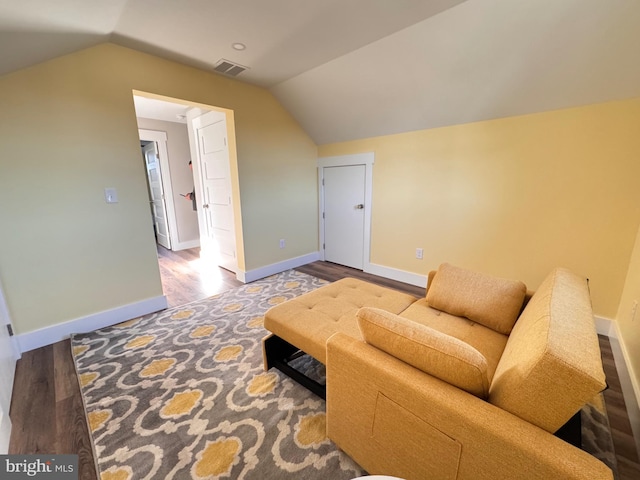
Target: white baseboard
185,245
262,272
60,331
396,274
608,327
605,326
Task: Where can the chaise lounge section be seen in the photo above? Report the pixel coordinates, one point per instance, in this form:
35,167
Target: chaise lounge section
305,323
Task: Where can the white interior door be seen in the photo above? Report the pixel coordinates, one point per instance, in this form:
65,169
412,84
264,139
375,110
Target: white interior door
7,371
344,219
156,192
215,207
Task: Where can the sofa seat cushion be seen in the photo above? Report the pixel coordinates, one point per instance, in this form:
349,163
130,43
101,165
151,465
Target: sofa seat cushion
551,365
494,302
309,320
488,342
433,352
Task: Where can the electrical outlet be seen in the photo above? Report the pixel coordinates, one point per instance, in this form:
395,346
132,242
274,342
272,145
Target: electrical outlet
111,195
282,243
419,253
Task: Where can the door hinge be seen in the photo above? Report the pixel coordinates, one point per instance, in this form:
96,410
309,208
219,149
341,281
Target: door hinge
10,330
324,247
323,182
322,214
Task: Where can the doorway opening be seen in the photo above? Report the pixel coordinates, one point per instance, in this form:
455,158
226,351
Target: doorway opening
159,188
190,162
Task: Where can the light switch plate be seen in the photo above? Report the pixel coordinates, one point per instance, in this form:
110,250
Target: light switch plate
111,195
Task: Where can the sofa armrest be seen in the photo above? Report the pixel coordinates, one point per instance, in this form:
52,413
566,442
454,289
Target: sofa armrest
393,419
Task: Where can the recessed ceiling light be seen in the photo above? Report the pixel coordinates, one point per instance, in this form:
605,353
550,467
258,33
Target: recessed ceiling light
238,46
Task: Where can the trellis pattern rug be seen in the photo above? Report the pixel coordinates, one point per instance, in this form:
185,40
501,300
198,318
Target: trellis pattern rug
182,394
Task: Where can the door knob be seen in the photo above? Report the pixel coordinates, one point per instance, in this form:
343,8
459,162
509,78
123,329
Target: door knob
206,205
360,206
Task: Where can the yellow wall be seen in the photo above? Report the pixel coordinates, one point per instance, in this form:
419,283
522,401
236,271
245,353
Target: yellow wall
513,197
68,130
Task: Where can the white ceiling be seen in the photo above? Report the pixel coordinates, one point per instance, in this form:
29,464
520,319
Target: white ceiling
350,69
160,110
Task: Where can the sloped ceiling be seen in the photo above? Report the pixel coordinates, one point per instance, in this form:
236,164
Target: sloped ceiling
350,69
482,59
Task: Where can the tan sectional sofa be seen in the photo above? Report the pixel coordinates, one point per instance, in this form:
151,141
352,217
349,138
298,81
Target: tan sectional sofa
462,384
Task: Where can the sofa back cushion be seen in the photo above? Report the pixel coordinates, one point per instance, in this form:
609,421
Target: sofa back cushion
436,353
491,301
551,365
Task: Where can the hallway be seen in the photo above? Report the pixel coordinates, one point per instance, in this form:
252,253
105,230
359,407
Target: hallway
185,280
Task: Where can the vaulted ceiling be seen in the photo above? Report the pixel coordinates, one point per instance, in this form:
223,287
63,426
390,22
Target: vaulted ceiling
350,69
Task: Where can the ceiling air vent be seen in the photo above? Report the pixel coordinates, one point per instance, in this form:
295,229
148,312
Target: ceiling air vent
229,68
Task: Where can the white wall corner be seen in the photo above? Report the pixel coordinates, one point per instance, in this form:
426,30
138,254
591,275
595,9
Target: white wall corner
61,331
262,272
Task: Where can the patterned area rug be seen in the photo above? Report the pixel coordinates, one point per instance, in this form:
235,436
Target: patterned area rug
182,394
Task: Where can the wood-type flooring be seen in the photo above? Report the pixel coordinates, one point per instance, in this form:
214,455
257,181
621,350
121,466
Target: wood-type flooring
184,279
47,412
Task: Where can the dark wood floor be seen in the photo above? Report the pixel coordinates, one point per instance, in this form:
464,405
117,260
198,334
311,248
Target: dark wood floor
47,412
332,272
623,441
46,408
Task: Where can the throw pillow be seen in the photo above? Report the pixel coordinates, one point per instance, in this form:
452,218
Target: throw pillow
494,302
426,349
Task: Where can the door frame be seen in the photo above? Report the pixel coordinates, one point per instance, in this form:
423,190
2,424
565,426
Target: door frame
165,177
5,421
367,159
4,314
